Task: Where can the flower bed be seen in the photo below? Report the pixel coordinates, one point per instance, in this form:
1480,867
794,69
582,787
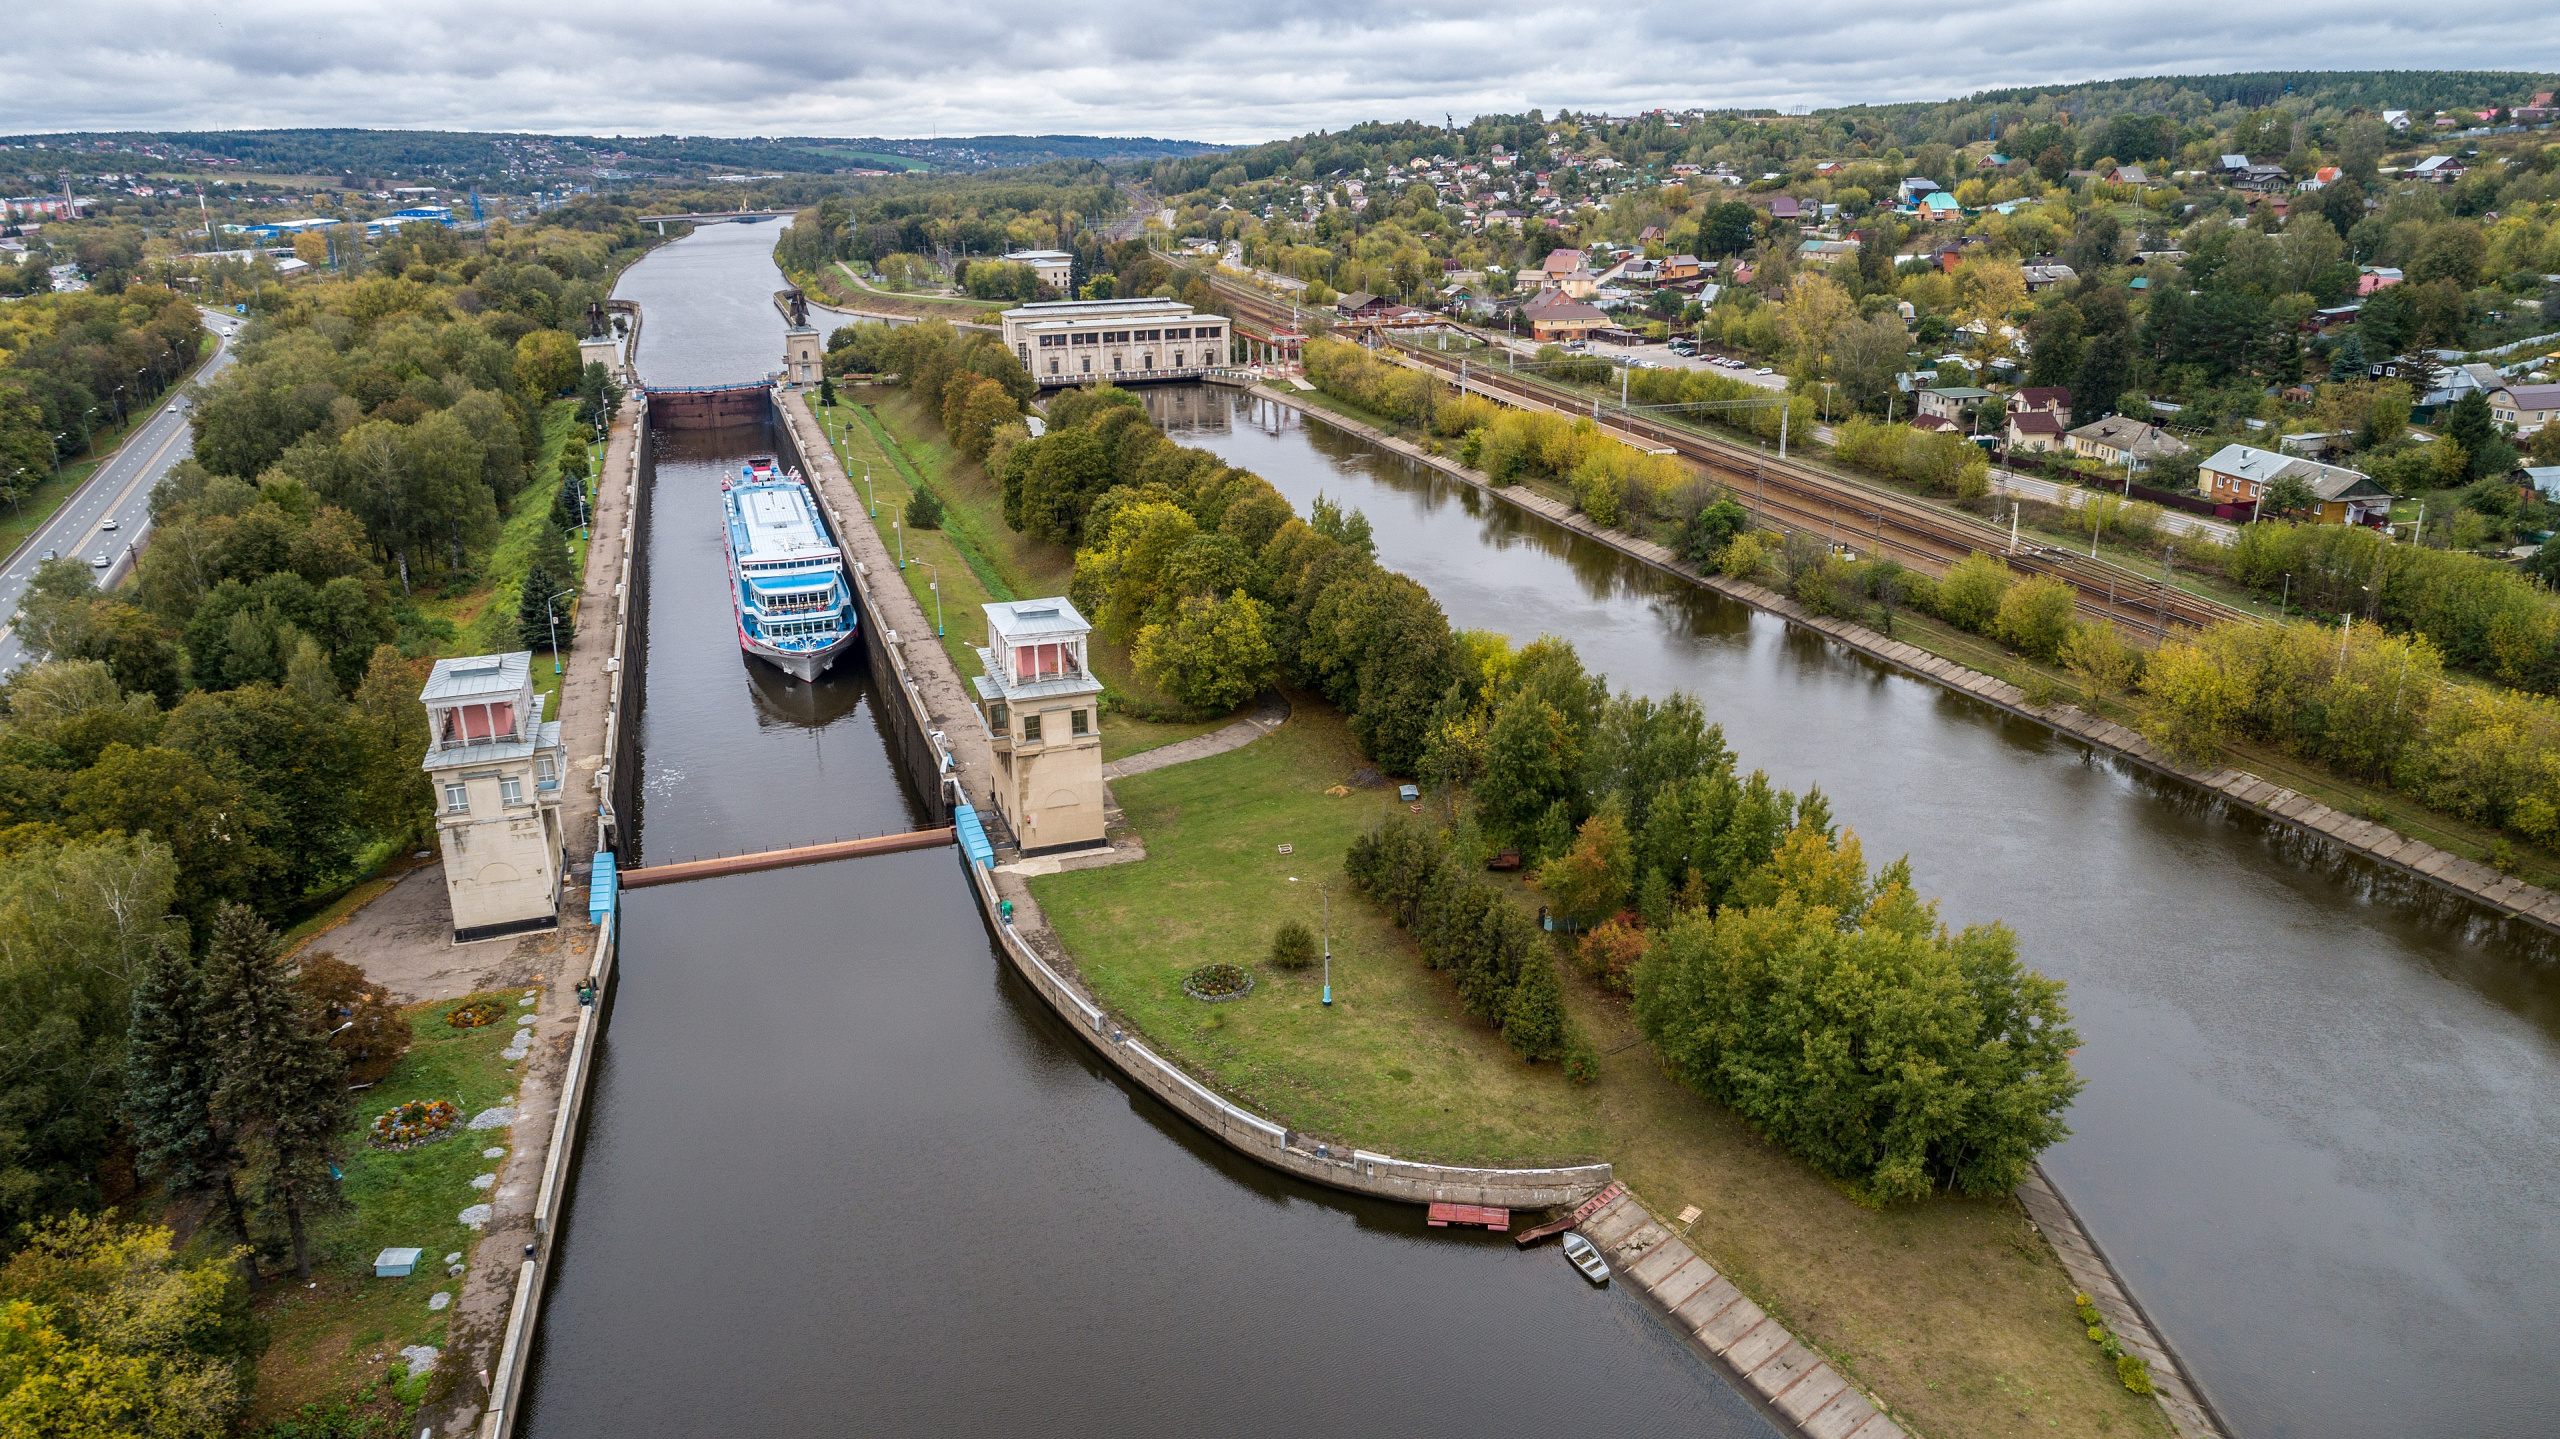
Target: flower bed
475,1014
420,1121
1218,983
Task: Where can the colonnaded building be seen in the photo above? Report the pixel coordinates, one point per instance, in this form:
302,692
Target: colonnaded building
1083,342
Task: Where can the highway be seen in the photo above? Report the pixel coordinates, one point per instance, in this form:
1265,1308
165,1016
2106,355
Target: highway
108,516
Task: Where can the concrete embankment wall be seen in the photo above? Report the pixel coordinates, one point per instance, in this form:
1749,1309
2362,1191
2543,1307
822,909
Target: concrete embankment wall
619,783
924,693
911,724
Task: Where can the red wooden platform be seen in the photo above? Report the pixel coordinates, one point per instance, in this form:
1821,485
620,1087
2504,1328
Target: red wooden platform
1490,1216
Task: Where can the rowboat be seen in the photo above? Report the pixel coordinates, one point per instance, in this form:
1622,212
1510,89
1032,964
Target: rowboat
1586,1257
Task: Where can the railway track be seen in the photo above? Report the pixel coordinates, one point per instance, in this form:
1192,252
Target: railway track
1796,498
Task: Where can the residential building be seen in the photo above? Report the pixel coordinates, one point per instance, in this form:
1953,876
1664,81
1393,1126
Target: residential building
1042,708
2054,400
1785,207
1949,402
1680,267
1054,268
496,766
2442,169
2128,175
2376,277
1560,263
2525,409
2046,275
1554,315
2239,476
2033,432
1082,342
2118,438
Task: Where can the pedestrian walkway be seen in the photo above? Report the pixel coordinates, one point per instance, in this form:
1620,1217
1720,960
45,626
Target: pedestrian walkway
1268,715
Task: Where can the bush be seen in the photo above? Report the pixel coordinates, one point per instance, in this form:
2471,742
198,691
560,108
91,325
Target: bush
1293,947
2135,1372
1969,595
1610,952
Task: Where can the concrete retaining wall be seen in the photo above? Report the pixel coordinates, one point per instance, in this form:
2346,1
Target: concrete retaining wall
619,780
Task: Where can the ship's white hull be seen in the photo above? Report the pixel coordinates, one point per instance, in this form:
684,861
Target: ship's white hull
804,665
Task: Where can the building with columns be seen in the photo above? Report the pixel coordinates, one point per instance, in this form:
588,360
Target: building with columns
497,766
1084,342
1042,708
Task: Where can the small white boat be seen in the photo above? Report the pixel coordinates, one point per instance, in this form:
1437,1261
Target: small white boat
1586,1257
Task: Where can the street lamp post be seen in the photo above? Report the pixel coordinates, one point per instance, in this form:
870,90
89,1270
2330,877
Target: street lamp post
1326,890
552,617
874,494
935,585
897,527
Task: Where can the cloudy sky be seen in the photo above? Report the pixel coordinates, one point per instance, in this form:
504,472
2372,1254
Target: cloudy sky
1217,70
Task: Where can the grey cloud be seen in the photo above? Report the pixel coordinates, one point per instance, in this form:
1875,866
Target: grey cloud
1222,70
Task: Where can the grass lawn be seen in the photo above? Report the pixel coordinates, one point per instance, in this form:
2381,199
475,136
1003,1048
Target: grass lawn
1954,1311
979,558
331,1340
484,616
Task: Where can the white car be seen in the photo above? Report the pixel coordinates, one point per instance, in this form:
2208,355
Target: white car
109,525
97,562
1764,370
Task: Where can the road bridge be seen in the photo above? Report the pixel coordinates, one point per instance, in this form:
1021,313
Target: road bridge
714,217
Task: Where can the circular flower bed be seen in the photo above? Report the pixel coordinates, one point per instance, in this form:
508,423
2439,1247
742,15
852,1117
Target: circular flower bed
1218,983
420,1121
475,1014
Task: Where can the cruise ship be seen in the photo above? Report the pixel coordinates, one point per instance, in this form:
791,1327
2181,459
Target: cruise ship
786,576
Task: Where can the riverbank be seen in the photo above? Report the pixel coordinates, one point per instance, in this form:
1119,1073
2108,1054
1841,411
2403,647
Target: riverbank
2297,804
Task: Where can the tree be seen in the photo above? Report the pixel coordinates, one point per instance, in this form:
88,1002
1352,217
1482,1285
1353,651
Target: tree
2469,424
78,923
924,509
362,1023
1212,654
281,1086
543,621
1725,228
2055,344
105,1334
2289,498
209,823
175,1059
1970,593
1866,355
1591,881
546,363
1832,1010
2035,615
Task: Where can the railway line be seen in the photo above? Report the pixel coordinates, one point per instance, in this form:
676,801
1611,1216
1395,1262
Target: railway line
1796,498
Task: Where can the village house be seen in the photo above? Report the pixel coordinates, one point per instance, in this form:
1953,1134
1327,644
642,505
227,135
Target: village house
1949,402
2237,479
1555,317
2525,409
2033,432
2054,400
2118,438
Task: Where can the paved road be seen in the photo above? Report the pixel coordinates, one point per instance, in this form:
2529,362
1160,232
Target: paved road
2176,522
107,517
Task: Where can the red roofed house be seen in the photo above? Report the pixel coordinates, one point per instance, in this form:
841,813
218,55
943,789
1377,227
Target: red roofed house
1555,315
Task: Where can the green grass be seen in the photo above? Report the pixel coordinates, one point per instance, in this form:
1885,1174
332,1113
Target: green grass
484,617
323,1338
981,560
1953,1311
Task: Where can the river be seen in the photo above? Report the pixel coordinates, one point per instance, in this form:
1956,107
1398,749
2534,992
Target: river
2317,1133
843,1173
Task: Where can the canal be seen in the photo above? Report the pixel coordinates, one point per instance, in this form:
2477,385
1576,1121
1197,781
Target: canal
2317,1133
842,1173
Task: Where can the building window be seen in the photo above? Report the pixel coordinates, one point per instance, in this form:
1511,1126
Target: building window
1178,359
1115,362
510,790
1053,364
1076,723
1088,364
1024,351
1031,729
998,716
457,798
544,771
1150,363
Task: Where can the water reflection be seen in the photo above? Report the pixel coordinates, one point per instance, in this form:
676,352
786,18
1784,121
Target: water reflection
2317,1135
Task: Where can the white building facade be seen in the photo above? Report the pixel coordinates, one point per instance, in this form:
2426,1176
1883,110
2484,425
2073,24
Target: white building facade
1042,707
1053,268
497,767
1084,342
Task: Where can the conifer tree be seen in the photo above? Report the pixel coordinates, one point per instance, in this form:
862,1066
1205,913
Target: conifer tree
280,1080
174,1053
536,621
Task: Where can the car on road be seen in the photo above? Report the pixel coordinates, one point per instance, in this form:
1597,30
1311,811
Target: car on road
108,525
53,554
97,562
1764,370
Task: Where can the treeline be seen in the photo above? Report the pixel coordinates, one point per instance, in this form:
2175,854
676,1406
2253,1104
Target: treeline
2480,615
73,364
1495,954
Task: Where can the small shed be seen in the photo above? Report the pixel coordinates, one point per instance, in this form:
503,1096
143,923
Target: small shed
395,1263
